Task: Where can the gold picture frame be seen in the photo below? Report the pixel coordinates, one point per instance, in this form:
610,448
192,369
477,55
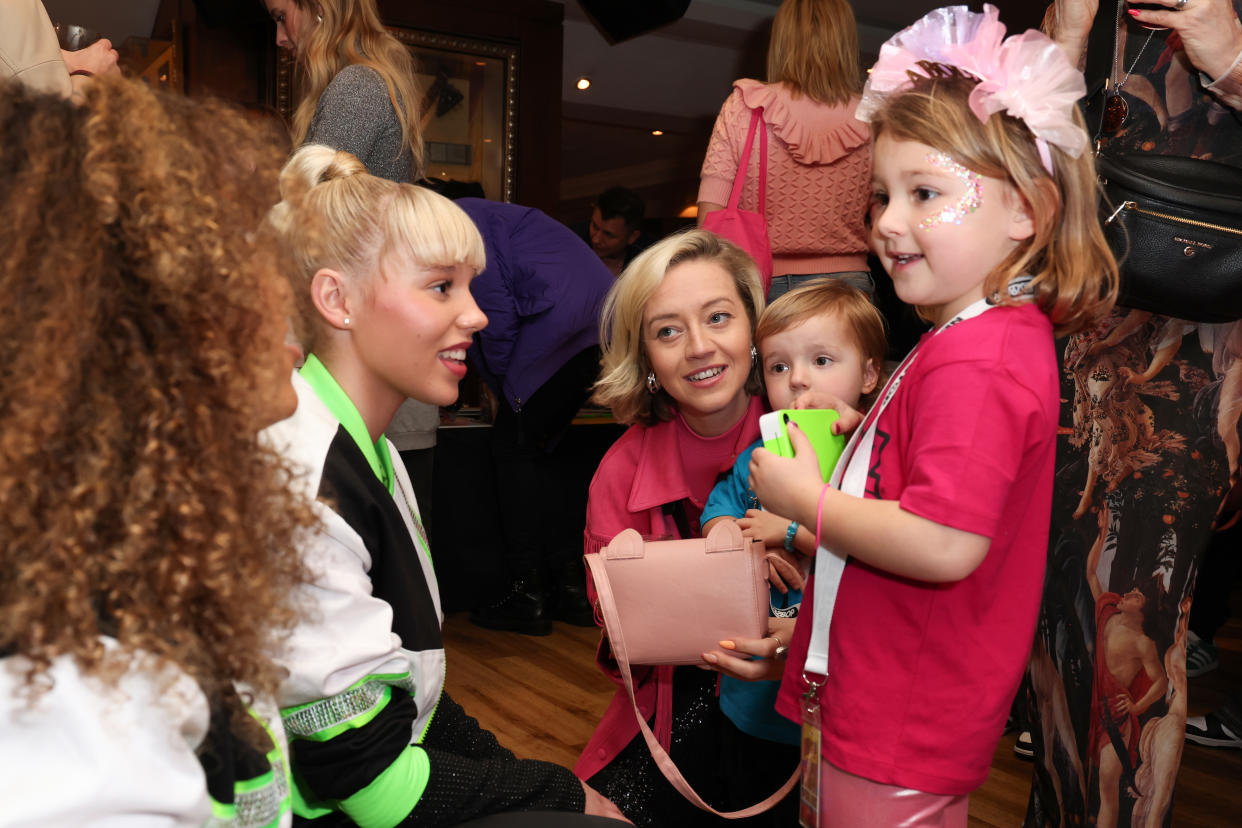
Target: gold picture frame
470,107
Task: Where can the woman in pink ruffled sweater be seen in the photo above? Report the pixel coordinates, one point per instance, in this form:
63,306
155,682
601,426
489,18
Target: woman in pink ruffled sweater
819,155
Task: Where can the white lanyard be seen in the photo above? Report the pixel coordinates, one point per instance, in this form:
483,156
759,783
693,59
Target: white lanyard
850,476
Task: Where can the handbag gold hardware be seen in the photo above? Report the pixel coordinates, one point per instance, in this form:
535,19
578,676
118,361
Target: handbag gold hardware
1133,205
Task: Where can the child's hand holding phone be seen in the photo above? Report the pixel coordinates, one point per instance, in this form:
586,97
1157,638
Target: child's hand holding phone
784,484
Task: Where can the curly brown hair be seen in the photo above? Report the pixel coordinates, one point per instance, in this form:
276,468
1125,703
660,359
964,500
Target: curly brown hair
138,366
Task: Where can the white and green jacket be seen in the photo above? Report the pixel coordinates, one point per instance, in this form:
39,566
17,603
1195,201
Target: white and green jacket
374,739
366,666
146,751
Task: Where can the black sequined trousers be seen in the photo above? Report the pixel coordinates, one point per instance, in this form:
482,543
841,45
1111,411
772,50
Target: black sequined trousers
472,775
728,768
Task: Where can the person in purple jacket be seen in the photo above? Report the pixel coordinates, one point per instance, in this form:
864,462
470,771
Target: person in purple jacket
542,291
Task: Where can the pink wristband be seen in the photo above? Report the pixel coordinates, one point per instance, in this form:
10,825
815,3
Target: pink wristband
819,511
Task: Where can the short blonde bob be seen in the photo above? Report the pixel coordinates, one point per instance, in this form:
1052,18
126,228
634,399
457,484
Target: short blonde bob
334,214
814,50
622,385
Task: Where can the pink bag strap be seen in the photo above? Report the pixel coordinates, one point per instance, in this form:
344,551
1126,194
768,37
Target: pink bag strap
739,179
612,622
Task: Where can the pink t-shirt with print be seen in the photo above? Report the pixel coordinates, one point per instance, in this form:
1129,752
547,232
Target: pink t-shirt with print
922,675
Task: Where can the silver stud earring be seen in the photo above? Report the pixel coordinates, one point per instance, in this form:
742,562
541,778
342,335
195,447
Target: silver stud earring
652,384
754,354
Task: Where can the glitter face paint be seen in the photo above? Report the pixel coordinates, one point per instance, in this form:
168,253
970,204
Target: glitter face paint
970,201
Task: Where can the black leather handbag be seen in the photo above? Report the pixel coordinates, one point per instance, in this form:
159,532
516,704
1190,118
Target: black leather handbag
1175,225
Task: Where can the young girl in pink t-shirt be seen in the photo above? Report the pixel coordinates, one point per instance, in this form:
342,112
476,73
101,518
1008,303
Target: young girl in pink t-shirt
935,525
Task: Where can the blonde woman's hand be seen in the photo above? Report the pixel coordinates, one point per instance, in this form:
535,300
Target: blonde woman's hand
754,659
1210,30
1068,22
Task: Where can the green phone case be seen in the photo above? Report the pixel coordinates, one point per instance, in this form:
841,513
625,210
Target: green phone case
817,425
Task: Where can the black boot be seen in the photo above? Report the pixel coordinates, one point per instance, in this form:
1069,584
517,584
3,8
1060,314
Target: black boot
522,610
572,605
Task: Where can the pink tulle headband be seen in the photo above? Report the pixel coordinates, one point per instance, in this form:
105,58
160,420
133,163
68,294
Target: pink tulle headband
1027,75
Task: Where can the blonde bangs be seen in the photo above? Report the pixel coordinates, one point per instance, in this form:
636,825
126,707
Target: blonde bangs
432,229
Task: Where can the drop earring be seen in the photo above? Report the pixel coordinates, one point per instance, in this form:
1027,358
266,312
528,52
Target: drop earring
754,354
653,385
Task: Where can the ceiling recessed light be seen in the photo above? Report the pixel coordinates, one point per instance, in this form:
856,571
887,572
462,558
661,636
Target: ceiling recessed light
657,132
584,83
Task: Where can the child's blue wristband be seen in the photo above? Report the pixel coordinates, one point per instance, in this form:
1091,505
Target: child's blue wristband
789,535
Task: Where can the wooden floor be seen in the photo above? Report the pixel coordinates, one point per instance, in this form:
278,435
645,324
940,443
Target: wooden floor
543,696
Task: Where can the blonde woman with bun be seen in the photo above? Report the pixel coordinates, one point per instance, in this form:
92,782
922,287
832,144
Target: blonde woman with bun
358,93
384,274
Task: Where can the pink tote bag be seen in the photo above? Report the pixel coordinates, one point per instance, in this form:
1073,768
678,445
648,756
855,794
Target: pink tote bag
748,230
668,602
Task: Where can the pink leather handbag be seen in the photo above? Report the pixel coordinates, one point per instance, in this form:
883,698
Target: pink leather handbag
668,602
747,229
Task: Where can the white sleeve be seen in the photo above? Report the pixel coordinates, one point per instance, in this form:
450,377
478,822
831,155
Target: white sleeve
88,754
343,650
346,632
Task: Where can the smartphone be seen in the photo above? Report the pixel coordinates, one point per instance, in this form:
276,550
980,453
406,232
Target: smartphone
816,423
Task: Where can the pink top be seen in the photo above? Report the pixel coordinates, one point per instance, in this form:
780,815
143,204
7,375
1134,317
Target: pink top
819,176
639,475
922,675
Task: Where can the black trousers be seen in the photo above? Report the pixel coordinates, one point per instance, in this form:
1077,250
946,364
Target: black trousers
542,505
1219,571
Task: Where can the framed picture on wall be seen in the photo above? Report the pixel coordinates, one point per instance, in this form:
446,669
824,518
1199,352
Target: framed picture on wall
469,108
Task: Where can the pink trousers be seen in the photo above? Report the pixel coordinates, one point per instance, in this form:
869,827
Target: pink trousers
849,801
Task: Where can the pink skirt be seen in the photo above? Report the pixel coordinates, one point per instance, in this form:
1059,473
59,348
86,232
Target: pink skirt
848,800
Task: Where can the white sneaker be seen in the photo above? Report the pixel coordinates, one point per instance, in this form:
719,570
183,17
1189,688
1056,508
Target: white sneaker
1209,730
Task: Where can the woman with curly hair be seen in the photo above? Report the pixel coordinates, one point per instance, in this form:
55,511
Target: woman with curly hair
146,550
